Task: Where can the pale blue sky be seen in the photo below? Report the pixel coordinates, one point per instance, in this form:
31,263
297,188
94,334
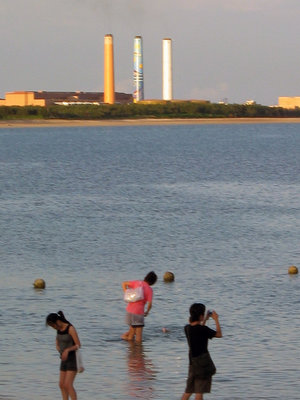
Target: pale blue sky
234,49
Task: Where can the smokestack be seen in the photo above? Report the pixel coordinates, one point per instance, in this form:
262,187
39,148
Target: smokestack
167,91
109,80
138,71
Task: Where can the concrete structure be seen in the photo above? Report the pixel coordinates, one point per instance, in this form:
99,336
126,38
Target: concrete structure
289,102
138,72
41,98
167,84
109,79
22,99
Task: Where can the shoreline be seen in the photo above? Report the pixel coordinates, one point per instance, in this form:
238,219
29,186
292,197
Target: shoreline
142,122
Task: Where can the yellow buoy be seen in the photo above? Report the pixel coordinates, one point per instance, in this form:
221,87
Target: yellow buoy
293,270
39,284
169,276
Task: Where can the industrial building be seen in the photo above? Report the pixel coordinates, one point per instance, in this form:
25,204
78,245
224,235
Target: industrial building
43,98
289,102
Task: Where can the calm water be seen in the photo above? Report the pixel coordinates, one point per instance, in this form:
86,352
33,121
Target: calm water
85,208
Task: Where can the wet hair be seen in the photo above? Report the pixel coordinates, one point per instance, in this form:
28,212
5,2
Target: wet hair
196,310
54,317
151,278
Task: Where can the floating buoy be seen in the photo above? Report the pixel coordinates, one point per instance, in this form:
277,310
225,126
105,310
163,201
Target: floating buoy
39,284
169,276
293,270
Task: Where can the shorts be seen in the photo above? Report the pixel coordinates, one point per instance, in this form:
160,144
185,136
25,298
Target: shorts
70,363
196,385
134,320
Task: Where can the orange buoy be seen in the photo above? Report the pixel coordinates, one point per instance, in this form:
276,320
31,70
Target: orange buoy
169,276
293,270
39,284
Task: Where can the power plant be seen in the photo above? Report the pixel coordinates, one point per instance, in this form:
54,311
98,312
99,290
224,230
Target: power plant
138,69
109,96
167,84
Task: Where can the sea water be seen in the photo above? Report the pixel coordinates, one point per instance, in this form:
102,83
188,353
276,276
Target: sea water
86,208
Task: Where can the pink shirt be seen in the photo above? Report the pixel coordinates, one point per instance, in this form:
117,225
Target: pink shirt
138,306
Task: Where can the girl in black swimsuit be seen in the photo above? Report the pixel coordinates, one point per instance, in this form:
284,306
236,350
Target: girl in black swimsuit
67,342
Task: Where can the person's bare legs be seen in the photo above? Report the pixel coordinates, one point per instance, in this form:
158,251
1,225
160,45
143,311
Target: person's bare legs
129,335
125,335
186,396
64,392
139,334
70,376
66,384
134,332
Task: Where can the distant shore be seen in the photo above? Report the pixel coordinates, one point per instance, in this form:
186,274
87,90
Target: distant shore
39,123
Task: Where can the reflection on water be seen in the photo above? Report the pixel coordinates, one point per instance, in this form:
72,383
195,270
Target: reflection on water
141,372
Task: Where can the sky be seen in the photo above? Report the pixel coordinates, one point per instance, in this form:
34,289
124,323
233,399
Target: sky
232,50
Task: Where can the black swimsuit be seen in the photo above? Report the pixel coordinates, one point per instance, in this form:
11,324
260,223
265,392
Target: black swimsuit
65,340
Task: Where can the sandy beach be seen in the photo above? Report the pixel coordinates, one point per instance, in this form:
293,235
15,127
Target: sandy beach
140,122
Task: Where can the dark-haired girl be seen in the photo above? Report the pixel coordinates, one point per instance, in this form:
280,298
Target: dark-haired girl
135,312
197,335
67,342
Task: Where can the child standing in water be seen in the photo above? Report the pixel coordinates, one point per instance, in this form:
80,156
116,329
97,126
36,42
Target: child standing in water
135,312
67,342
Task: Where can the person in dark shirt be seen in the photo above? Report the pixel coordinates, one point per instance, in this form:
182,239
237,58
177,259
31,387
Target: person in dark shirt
197,335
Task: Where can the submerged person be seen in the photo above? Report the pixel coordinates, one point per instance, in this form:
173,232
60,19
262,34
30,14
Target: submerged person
197,335
67,342
135,311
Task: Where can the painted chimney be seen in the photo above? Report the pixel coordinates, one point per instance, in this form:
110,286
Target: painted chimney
138,69
167,90
109,80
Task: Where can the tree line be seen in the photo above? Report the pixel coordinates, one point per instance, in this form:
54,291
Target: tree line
138,111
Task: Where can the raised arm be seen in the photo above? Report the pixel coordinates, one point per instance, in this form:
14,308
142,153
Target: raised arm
215,317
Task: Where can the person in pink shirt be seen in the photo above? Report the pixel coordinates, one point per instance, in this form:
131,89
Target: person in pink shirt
135,312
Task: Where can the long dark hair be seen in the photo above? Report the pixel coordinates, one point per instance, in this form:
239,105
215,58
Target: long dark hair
196,310
54,317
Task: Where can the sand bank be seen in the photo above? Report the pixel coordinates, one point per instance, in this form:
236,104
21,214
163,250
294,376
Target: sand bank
141,122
